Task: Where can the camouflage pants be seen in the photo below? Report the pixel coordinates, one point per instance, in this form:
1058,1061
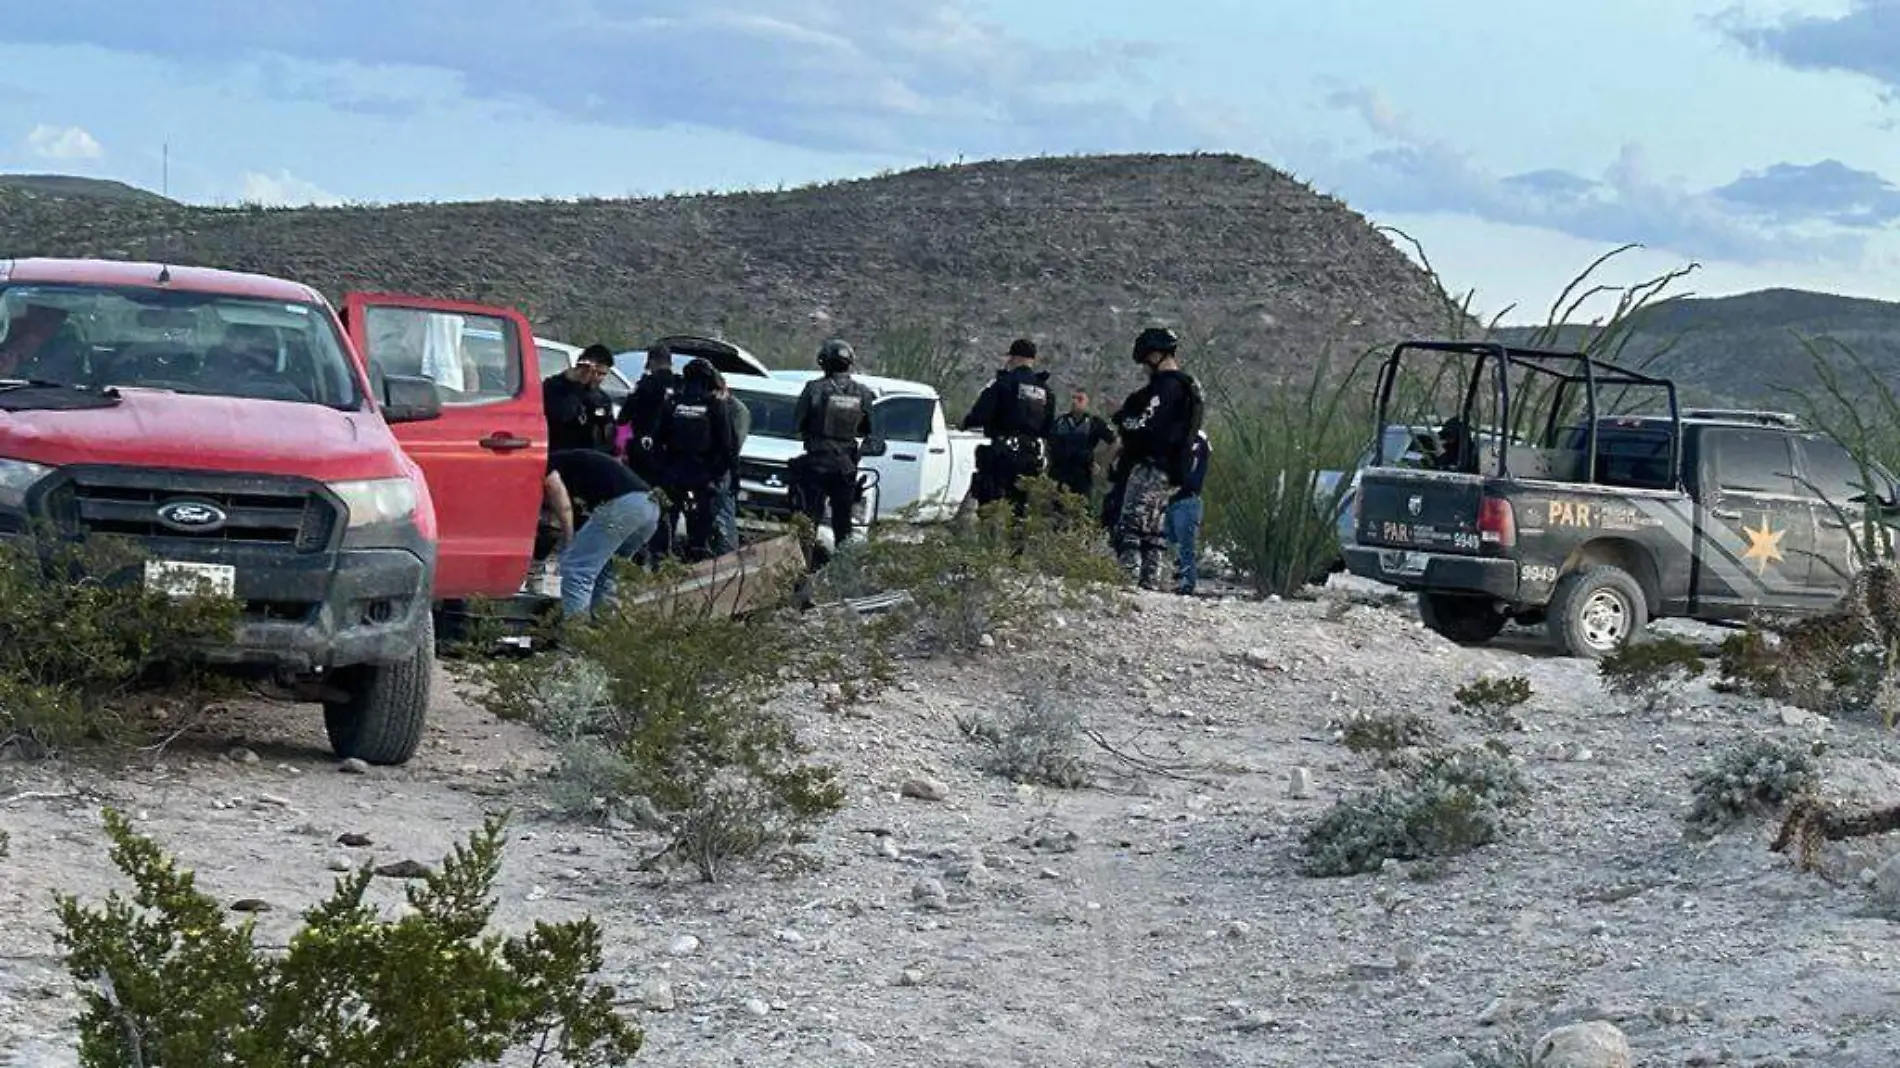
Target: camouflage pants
1141,528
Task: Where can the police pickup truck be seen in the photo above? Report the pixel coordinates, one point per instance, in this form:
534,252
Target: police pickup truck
1603,525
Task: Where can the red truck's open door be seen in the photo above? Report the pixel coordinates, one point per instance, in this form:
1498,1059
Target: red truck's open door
486,455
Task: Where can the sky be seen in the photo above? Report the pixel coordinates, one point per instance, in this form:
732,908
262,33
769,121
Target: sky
1516,141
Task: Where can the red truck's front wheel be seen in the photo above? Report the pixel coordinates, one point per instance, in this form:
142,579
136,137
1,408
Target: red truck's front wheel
382,719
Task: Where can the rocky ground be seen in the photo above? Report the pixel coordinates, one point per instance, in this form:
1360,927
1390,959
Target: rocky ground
1155,918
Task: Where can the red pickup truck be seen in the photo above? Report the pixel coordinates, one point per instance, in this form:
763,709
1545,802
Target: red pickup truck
342,476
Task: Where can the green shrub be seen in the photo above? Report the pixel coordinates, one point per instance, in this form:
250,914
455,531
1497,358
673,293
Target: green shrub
1039,741
1833,663
1448,802
1386,732
1649,670
1264,511
1747,663
168,983
1758,777
982,572
79,630
661,707
1494,702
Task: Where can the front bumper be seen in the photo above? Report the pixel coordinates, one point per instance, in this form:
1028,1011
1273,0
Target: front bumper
362,606
314,594
1435,572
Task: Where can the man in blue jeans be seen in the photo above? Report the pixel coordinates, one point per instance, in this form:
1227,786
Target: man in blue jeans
1183,520
621,519
726,519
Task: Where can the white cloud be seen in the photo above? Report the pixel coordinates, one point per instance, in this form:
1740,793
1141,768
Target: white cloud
912,78
63,143
283,190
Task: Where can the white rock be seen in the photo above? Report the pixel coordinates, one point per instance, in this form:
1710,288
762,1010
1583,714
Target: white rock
1884,886
1595,1044
924,789
657,994
341,862
1794,717
354,766
929,894
684,946
757,1007
1299,785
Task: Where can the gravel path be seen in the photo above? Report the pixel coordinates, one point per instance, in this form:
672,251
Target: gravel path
1151,919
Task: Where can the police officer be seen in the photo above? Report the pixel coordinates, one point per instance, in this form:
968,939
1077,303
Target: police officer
831,415
641,412
696,455
1016,412
1073,439
580,414
1157,424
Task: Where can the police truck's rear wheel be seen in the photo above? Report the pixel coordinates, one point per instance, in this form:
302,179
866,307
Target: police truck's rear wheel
1463,619
382,719
1595,610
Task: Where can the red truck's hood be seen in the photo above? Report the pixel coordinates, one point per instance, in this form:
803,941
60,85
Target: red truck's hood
187,431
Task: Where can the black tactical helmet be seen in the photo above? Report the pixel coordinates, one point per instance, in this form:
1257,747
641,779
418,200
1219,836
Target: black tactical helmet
836,355
1155,339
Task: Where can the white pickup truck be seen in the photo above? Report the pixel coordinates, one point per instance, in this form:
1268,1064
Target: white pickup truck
923,475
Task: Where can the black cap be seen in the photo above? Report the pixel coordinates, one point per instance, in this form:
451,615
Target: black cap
701,368
1155,339
1023,348
597,354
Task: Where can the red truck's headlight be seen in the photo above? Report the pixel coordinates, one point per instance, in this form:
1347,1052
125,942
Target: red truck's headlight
376,501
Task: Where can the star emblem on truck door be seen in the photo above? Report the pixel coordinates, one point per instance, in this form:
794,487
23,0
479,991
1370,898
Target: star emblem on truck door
1764,545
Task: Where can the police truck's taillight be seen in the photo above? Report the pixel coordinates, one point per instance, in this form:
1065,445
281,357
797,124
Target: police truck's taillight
1497,523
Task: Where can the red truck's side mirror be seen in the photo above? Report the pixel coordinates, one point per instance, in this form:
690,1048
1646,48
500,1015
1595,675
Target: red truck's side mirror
410,399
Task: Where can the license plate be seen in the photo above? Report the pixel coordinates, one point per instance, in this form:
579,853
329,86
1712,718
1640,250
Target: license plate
1402,563
180,579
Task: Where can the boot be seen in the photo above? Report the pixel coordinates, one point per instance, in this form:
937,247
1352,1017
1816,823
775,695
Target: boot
1150,569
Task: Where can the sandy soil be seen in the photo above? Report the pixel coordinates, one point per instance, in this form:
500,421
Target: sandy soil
1150,919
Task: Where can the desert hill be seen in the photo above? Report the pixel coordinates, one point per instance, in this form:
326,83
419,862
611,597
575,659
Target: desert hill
927,267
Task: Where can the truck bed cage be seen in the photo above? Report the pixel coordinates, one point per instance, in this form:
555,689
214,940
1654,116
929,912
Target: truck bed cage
1564,371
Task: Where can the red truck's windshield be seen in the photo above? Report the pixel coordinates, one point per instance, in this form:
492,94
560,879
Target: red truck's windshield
96,336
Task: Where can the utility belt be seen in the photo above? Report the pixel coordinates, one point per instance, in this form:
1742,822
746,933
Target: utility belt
1011,456
1020,445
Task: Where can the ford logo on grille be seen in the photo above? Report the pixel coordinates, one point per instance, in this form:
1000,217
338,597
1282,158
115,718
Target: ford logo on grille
191,517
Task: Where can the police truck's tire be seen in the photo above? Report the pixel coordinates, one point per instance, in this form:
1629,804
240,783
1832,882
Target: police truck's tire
1594,610
382,719
1462,618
